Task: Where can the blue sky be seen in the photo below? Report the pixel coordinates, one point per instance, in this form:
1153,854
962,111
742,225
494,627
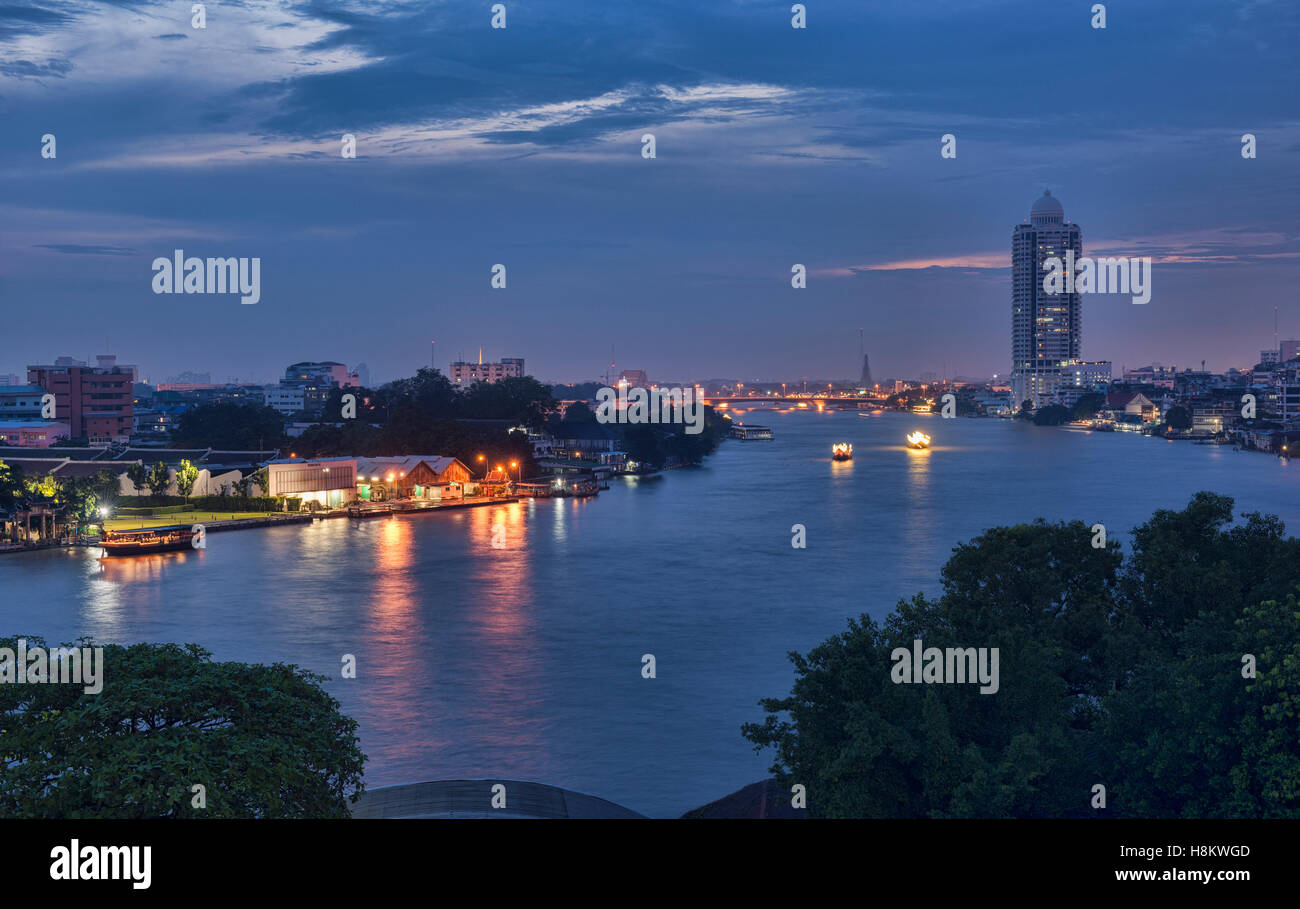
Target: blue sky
522,146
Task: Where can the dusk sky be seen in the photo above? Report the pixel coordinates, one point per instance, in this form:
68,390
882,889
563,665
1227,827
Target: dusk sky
522,146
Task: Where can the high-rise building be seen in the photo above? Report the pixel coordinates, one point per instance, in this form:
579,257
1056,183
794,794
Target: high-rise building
1288,350
1268,357
1046,329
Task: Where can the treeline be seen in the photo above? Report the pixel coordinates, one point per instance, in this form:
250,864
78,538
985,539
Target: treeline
1161,684
656,444
423,414
82,497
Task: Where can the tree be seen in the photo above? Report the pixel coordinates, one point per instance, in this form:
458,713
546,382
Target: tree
264,741
262,479
12,485
1197,734
138,474
160,478
642,444
1087,406
1122,671
1178,418
238,427
186,474
1051,415
579,412
521,399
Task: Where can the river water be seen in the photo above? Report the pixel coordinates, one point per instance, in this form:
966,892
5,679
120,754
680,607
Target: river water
526,662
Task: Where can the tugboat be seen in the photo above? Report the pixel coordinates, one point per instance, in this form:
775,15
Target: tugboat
148,539
918,440
841,451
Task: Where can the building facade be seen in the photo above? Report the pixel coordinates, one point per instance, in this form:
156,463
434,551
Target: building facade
96,402
465,374
324,373
32,433
1046,329
21,402
287,399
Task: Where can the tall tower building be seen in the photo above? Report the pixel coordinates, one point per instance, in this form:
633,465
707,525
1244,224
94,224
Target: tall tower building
1046,329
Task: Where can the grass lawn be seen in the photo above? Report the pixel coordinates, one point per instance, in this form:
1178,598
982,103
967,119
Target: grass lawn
187,518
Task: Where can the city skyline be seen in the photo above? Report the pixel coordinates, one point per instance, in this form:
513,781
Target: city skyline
473,151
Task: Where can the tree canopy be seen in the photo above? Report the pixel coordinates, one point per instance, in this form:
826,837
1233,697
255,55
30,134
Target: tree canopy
263,741
225,425
1129,672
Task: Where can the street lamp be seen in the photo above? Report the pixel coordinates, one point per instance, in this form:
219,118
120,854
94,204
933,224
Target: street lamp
514,465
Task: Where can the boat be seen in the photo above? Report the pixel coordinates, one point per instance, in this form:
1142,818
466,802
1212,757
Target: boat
918,440
147,539
842,451
748,432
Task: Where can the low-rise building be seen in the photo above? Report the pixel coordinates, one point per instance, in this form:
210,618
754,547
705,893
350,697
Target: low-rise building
32,433
328,482
287,399
463,375
427,477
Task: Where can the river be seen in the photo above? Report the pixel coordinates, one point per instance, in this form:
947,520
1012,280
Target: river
525,662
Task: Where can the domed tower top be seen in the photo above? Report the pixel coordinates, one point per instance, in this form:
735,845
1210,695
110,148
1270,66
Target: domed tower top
1046,210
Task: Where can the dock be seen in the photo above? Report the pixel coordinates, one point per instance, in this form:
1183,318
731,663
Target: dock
386,509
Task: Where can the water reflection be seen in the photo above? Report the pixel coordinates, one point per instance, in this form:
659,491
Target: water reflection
522,661
144,569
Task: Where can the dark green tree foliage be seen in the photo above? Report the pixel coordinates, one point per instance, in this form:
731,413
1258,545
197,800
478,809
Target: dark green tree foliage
656,443
159,478
523,400
579,412
234,427
425,414
1178,418
1052,415
11,484
1122,672
1087,406
264,741
84,496
138,474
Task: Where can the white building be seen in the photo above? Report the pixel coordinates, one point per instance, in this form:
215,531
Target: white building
285,398
330,482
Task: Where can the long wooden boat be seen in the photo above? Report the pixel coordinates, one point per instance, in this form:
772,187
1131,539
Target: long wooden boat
146,539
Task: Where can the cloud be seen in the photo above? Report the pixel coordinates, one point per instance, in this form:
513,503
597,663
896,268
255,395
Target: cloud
77,249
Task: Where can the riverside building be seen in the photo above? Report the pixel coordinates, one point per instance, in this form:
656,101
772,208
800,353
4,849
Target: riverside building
1046,329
